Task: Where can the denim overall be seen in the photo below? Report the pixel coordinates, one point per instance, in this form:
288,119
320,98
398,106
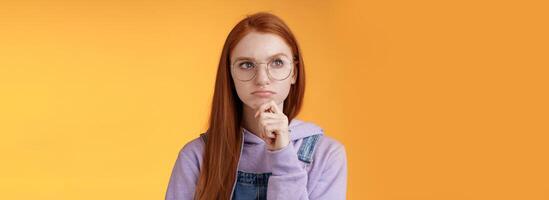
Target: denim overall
253,186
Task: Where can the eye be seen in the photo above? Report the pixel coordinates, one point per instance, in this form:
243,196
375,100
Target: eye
246,65
278,62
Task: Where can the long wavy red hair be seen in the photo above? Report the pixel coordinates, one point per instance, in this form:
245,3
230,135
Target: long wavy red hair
222,152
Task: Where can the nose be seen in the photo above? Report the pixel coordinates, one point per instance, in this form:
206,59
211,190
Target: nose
261,76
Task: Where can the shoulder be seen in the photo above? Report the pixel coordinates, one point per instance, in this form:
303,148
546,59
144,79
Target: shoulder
329,153
328,148
192,150
329,160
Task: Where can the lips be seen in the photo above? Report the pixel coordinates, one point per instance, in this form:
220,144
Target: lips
263,93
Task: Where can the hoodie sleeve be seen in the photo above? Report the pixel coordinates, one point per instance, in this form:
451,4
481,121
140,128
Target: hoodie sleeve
289,180
185,173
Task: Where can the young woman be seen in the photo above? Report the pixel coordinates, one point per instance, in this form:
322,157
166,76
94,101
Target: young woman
255,148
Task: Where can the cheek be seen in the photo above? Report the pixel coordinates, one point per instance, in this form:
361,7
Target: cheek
241,90
283,91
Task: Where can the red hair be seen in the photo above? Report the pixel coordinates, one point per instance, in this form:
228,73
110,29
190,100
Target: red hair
222,151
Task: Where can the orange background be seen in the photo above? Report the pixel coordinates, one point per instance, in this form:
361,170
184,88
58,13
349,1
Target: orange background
432,99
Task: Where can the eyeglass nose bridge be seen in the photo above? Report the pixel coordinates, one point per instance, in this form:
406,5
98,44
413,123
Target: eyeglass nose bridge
256,71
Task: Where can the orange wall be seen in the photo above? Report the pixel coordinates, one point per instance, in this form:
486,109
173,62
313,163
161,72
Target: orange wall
432,99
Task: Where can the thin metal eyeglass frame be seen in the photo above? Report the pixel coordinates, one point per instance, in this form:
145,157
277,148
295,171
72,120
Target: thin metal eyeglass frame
292,62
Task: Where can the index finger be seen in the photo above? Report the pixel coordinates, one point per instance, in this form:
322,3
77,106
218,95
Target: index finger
269,105
261,108
274,107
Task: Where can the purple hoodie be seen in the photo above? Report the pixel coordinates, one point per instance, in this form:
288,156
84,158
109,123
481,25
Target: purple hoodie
325,177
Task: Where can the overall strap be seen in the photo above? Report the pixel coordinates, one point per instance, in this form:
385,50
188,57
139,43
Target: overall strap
307,148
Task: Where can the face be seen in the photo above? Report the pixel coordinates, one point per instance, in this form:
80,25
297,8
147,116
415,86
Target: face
260,47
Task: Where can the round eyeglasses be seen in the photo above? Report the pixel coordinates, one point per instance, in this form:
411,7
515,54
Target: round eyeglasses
278,68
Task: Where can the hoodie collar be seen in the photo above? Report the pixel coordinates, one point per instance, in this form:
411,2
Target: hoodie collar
298,129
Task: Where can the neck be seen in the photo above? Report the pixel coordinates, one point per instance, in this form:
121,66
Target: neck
250,123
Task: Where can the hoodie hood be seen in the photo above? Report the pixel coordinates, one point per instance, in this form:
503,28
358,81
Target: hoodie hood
298,129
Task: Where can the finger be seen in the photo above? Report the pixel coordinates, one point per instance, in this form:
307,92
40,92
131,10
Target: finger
268,107
270,122
270,135
270,125
266,116
264,133
275,107
261,109
271,141
270,131
271,107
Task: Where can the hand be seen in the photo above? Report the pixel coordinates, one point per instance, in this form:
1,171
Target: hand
273,125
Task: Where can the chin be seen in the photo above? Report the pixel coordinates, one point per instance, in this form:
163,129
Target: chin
255,102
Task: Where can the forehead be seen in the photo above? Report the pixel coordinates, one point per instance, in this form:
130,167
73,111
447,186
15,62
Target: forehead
260,46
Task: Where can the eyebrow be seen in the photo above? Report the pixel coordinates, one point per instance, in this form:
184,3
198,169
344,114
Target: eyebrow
269,58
